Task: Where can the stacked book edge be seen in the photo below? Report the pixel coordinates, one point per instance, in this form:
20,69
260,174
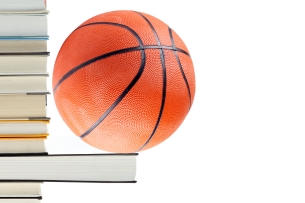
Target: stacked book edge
23,90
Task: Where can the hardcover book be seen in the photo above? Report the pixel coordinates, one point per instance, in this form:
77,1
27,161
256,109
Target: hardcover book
15,190
22,5
107,168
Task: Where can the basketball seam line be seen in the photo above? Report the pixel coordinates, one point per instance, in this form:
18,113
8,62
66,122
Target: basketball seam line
125,92
109,54
162,58
115,24
121,97
133,32
86,63
180,66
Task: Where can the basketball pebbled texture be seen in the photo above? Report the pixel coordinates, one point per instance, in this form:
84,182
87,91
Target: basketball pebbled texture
123,81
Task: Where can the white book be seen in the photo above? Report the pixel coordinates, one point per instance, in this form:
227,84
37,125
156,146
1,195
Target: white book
69,168
23,83
22,145
20,189
23,105
23,25
16,46
20,200
22,5
23,128
23,63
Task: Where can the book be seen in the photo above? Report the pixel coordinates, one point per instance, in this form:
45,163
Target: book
22,128
15,46
22,5
20,200
22,64
22,145
23,105
19,190
24,37
23,25
14,83
108,168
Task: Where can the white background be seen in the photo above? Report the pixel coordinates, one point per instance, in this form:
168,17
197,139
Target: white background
243,140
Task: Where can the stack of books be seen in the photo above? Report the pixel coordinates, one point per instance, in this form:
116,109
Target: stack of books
24,161
23,89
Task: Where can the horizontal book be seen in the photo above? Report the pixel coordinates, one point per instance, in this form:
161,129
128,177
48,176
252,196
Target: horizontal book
26,119
20,200
23,63
23,105
10,83
22,145
25,54
15,46
69,168
20,190
22,5
24,128
24,37
26,12
23,25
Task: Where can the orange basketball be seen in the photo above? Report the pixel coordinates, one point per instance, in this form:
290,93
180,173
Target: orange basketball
123,81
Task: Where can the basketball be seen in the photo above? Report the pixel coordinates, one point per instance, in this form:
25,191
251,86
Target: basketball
123,81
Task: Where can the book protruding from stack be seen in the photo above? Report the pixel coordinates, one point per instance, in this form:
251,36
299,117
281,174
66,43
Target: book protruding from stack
23,89
107,168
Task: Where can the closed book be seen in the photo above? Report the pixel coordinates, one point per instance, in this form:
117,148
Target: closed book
21,200
23,25
108,168
15,190
22,145
14,83
23,128
22,5
23,63
24,37
23,105
15,46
